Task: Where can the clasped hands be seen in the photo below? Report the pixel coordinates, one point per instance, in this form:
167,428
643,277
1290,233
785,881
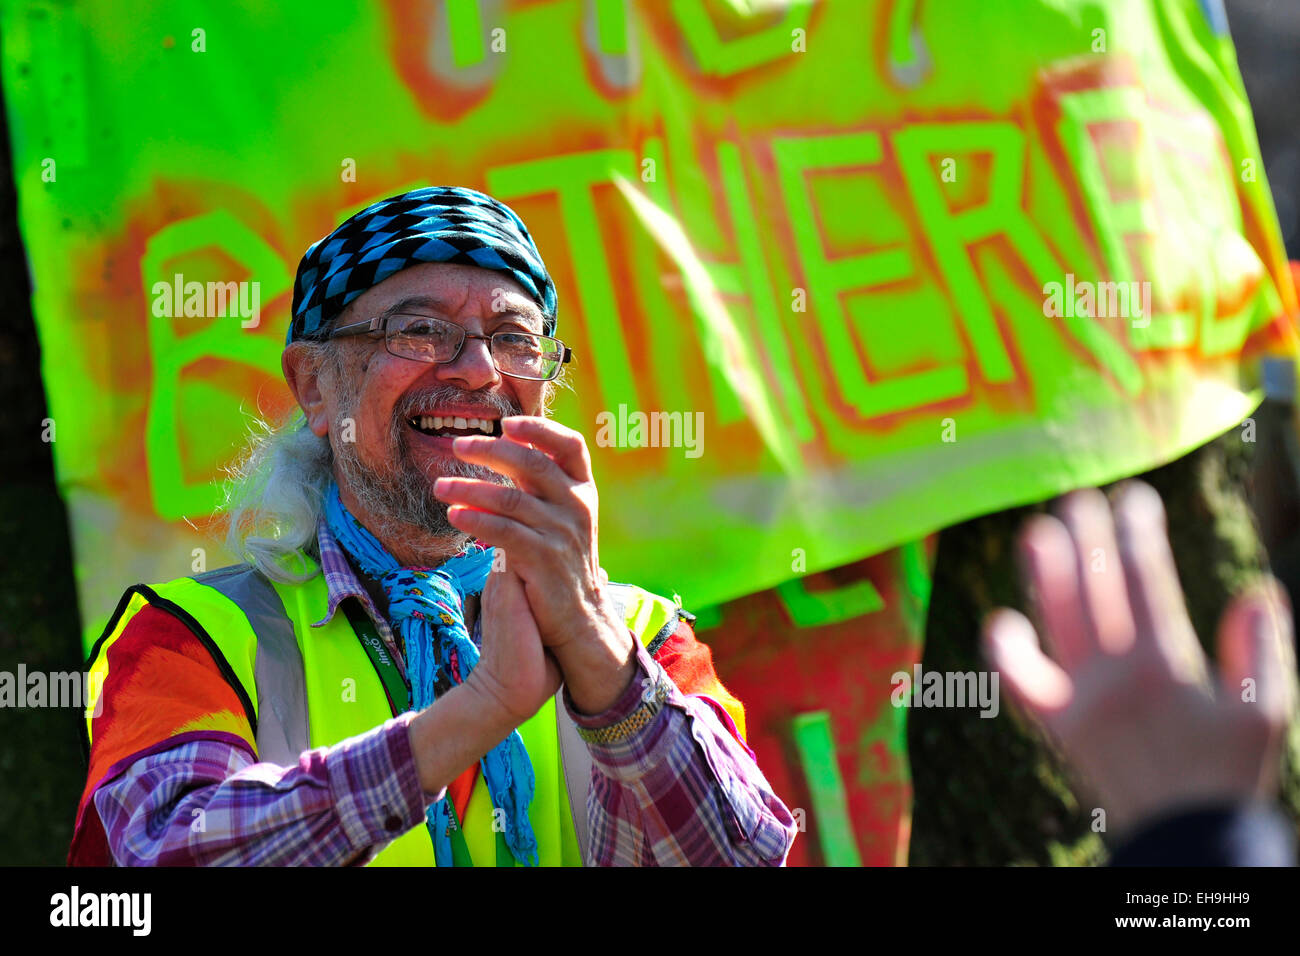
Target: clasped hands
547,616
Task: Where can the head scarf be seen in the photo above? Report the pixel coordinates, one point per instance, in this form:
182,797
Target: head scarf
434,224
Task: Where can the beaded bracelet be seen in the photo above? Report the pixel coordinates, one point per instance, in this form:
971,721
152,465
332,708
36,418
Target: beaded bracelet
652,701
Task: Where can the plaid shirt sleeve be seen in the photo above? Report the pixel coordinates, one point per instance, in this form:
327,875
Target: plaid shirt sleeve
205,802
680,791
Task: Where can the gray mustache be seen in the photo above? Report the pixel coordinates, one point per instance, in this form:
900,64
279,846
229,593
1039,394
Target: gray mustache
451,395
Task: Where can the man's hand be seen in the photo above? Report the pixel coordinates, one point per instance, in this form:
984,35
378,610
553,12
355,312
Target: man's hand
514,677
548,525
1128,697
515,672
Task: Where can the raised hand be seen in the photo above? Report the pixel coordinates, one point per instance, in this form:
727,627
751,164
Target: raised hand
515,671
548,524
1127,694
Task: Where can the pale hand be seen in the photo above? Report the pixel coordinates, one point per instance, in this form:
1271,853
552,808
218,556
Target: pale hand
1127,694
515,672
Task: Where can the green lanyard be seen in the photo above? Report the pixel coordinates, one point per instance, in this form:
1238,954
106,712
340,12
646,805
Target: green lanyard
399,701
395,686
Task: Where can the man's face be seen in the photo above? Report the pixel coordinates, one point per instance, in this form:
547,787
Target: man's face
400,448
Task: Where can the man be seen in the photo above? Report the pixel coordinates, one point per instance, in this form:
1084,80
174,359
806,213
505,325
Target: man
379,681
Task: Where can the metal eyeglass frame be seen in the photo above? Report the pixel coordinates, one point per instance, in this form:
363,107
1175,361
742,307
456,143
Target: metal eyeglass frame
380,324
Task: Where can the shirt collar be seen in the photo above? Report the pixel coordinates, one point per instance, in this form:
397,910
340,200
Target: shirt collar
341,581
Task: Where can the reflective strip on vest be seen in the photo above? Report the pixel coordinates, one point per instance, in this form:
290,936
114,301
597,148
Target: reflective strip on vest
283,722
314,687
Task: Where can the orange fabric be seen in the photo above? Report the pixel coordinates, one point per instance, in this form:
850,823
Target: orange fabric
461,789
161,682
690,664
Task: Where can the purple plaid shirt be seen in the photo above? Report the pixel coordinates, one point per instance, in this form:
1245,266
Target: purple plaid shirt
679,791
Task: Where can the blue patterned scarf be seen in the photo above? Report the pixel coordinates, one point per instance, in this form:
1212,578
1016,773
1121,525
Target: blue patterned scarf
426,607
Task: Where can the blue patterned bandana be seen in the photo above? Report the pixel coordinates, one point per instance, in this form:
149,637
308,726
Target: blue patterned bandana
434,224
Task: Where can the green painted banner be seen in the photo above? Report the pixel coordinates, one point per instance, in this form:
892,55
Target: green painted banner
836,274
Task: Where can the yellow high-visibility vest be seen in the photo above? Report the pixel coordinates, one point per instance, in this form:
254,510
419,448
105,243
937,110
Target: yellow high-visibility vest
306,687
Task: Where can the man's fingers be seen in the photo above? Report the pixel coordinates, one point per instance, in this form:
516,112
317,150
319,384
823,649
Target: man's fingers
567,447
495,530
1155,594
1110,624
498,499
510,587
1047,555
531,469
1256,662
1037,685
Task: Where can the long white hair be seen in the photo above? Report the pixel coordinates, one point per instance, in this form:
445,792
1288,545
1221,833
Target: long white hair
276,493
277,496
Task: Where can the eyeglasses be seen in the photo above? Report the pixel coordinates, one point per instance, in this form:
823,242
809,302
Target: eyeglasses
423,338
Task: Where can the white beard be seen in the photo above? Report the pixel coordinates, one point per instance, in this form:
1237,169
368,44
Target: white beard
400,497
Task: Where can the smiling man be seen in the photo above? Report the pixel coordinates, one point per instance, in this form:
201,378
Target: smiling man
422,661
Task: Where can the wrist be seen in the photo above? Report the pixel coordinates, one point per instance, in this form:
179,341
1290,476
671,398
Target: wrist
486,700
632,713
597,671
454,731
